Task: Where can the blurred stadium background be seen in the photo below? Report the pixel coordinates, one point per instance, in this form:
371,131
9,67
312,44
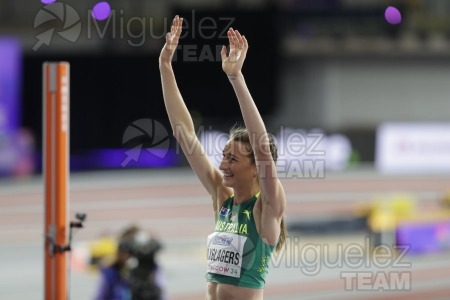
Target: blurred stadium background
360,109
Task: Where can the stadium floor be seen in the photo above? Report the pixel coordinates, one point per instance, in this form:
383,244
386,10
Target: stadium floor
173,205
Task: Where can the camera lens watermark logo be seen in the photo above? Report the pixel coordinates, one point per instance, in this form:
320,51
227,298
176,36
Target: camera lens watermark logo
146,134
59,17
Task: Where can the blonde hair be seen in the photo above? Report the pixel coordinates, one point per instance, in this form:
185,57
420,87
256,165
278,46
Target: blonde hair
239,133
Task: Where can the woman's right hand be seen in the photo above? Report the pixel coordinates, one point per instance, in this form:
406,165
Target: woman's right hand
172,39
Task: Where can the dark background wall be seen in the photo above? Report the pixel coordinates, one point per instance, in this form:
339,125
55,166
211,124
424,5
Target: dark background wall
109,91
335,65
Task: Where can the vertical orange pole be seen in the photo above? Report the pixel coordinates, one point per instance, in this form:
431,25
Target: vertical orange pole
56,176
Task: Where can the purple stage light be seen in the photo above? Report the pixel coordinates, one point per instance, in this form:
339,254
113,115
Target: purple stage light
48,1
392,15
101,11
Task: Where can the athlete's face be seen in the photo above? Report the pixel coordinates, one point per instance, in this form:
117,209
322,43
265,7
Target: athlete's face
237,166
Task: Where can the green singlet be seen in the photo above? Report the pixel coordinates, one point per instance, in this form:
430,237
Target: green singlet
236,253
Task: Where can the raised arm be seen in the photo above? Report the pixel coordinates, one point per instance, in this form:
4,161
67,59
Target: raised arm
272,193
179,116
181,121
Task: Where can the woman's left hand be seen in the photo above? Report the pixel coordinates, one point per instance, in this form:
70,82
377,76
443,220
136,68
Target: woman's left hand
232,63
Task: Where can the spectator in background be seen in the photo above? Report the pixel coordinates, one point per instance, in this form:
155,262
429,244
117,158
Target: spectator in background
134,274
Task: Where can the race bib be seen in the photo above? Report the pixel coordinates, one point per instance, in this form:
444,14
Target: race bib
225,251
